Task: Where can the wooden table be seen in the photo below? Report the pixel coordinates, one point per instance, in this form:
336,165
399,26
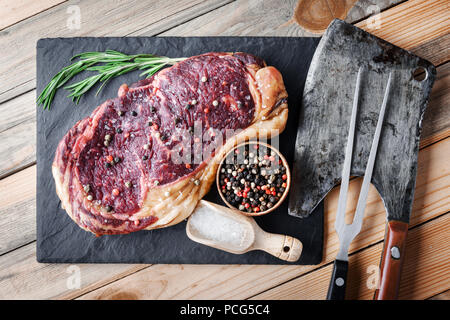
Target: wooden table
417,25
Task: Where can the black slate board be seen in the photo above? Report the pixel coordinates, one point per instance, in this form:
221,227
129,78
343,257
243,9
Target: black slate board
60,240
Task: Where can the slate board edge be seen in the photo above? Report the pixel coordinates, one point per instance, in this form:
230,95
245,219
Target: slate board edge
43,258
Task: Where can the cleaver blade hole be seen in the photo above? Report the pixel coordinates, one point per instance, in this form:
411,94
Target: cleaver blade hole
419,74
286,249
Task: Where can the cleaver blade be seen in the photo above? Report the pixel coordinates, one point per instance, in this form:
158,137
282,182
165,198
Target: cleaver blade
324,122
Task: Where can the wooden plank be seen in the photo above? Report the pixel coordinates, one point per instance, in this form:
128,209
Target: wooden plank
238,18
437,116
21,276
437,50
214,281
413,24
18,54
14,11
425,272
229,281
315,16
402,25
18,210
240,282
442,296
16,126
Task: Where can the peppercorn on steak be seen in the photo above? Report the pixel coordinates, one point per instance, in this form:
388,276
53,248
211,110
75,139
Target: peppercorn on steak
144,159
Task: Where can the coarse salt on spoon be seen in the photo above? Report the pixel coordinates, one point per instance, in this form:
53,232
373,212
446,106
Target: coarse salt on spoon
227,229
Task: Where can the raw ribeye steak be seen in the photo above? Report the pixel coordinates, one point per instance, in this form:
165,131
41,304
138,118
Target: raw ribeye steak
144,159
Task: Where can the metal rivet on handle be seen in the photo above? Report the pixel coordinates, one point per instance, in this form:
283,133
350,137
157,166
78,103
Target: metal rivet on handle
340,282
395,252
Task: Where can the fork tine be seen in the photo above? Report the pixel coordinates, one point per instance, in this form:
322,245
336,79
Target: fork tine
359,214
342,203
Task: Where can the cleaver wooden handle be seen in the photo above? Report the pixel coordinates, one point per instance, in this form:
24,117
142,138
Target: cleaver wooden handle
392,260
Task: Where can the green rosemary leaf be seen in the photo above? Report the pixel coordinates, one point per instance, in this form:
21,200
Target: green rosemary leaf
107,65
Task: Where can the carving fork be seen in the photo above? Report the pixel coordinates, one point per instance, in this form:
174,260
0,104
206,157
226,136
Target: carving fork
347,232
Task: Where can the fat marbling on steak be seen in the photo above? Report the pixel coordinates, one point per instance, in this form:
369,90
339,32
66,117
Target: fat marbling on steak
124,168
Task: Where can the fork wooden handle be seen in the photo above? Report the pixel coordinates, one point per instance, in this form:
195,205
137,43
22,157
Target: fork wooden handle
392,260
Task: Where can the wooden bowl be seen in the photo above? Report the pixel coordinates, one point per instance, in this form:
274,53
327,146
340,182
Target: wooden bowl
288,180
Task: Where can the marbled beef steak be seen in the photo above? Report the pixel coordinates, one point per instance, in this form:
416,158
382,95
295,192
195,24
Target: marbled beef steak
144,159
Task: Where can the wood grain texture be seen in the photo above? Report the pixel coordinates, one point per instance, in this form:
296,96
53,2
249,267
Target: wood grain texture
18,210
427,250
437,116
18,53
13,11
24,277
441,296
243,281
17,126
412,24
315,16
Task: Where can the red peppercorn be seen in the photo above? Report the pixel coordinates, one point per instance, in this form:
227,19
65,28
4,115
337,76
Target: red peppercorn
247,205
188,166
267,191
206,110
237,151
284,177
109,158
115,192
272,158
274,193
256,209
244,195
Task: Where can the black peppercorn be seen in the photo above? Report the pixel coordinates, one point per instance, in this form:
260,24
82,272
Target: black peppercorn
134,113
108,208
145,157
108,165
119,130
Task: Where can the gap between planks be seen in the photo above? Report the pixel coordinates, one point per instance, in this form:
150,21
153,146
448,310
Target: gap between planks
18,54
431,251
372,213
14,11
241,17
18,126
21,265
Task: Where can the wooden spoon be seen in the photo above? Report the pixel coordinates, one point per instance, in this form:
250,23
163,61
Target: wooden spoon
227,229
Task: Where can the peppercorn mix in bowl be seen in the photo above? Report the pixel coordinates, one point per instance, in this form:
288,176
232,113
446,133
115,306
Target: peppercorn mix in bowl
253,178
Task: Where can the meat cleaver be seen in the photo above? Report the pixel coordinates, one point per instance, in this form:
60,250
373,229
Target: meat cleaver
324,122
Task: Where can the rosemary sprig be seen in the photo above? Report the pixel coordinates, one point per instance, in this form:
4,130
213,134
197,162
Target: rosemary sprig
108,64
